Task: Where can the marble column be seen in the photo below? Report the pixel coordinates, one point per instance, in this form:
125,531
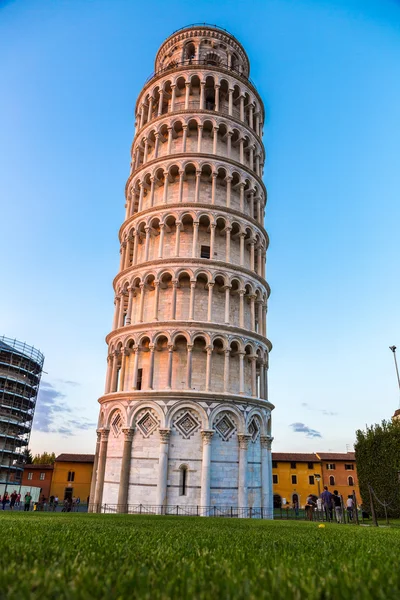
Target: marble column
125,471
101,468
135,366
206,468
226,370
243,439
208,368
163,467
189,366
266,476
170,362
94,475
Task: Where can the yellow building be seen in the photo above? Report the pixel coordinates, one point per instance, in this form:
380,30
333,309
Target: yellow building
294,477
72,476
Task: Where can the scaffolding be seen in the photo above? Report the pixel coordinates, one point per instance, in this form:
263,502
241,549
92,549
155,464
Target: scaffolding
20,372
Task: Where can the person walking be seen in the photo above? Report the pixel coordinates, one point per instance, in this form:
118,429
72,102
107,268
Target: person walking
4,500
27,501
55,503
18,501
350,506
310,506
326,498
337,502
13,499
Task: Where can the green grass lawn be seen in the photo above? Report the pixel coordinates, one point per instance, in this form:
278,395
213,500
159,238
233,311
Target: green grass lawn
68,555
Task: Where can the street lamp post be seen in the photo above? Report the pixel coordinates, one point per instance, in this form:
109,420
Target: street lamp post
318,479
393,349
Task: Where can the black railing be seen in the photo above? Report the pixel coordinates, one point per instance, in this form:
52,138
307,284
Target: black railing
224,511
183,510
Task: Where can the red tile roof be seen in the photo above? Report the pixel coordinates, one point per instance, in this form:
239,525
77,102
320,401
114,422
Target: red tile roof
87,458
294,457
38,467
336,455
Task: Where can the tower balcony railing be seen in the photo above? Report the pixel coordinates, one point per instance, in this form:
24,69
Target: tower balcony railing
201,62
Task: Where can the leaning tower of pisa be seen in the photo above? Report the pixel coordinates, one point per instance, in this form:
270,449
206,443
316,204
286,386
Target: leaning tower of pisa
185,419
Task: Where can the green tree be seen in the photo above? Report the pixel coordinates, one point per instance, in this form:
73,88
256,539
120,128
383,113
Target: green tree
44,459
28,457
378,465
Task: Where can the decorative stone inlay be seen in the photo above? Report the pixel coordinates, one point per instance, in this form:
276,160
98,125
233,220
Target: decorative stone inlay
225,427
254,429
116,424
186,425
147,424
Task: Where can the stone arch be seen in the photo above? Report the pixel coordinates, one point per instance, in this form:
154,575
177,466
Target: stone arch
228,408
189,404
116,425
141,406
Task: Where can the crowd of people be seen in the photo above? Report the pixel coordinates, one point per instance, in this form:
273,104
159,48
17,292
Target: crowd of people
331,506
14,501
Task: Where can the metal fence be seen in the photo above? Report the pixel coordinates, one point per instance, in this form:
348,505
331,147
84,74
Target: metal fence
227,511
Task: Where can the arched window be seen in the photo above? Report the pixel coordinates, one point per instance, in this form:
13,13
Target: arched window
351,481
190,52
331,480
212,59
183,480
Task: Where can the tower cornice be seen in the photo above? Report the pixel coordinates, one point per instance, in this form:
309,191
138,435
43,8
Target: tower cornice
218,265
211,159
193,206
134,395
201,67
195,326
191,111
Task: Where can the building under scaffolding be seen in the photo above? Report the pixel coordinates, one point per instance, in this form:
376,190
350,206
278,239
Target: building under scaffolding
20,371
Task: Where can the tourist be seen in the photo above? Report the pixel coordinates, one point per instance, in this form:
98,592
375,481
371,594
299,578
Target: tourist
296,507
337,502
27,501
310,506
350,506
13,499
326,498
4,500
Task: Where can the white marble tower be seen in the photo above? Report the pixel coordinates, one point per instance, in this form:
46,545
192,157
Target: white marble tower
185,418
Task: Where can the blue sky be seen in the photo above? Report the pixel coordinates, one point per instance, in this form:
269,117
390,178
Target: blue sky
329,74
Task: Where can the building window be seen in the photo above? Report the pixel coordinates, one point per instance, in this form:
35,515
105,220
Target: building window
294,479
71,475
349,467
274,478
311,466
311,479
292,465
350,480
139,379
183,480
331,480
274,464
205,252
331,467
42,476
30,475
